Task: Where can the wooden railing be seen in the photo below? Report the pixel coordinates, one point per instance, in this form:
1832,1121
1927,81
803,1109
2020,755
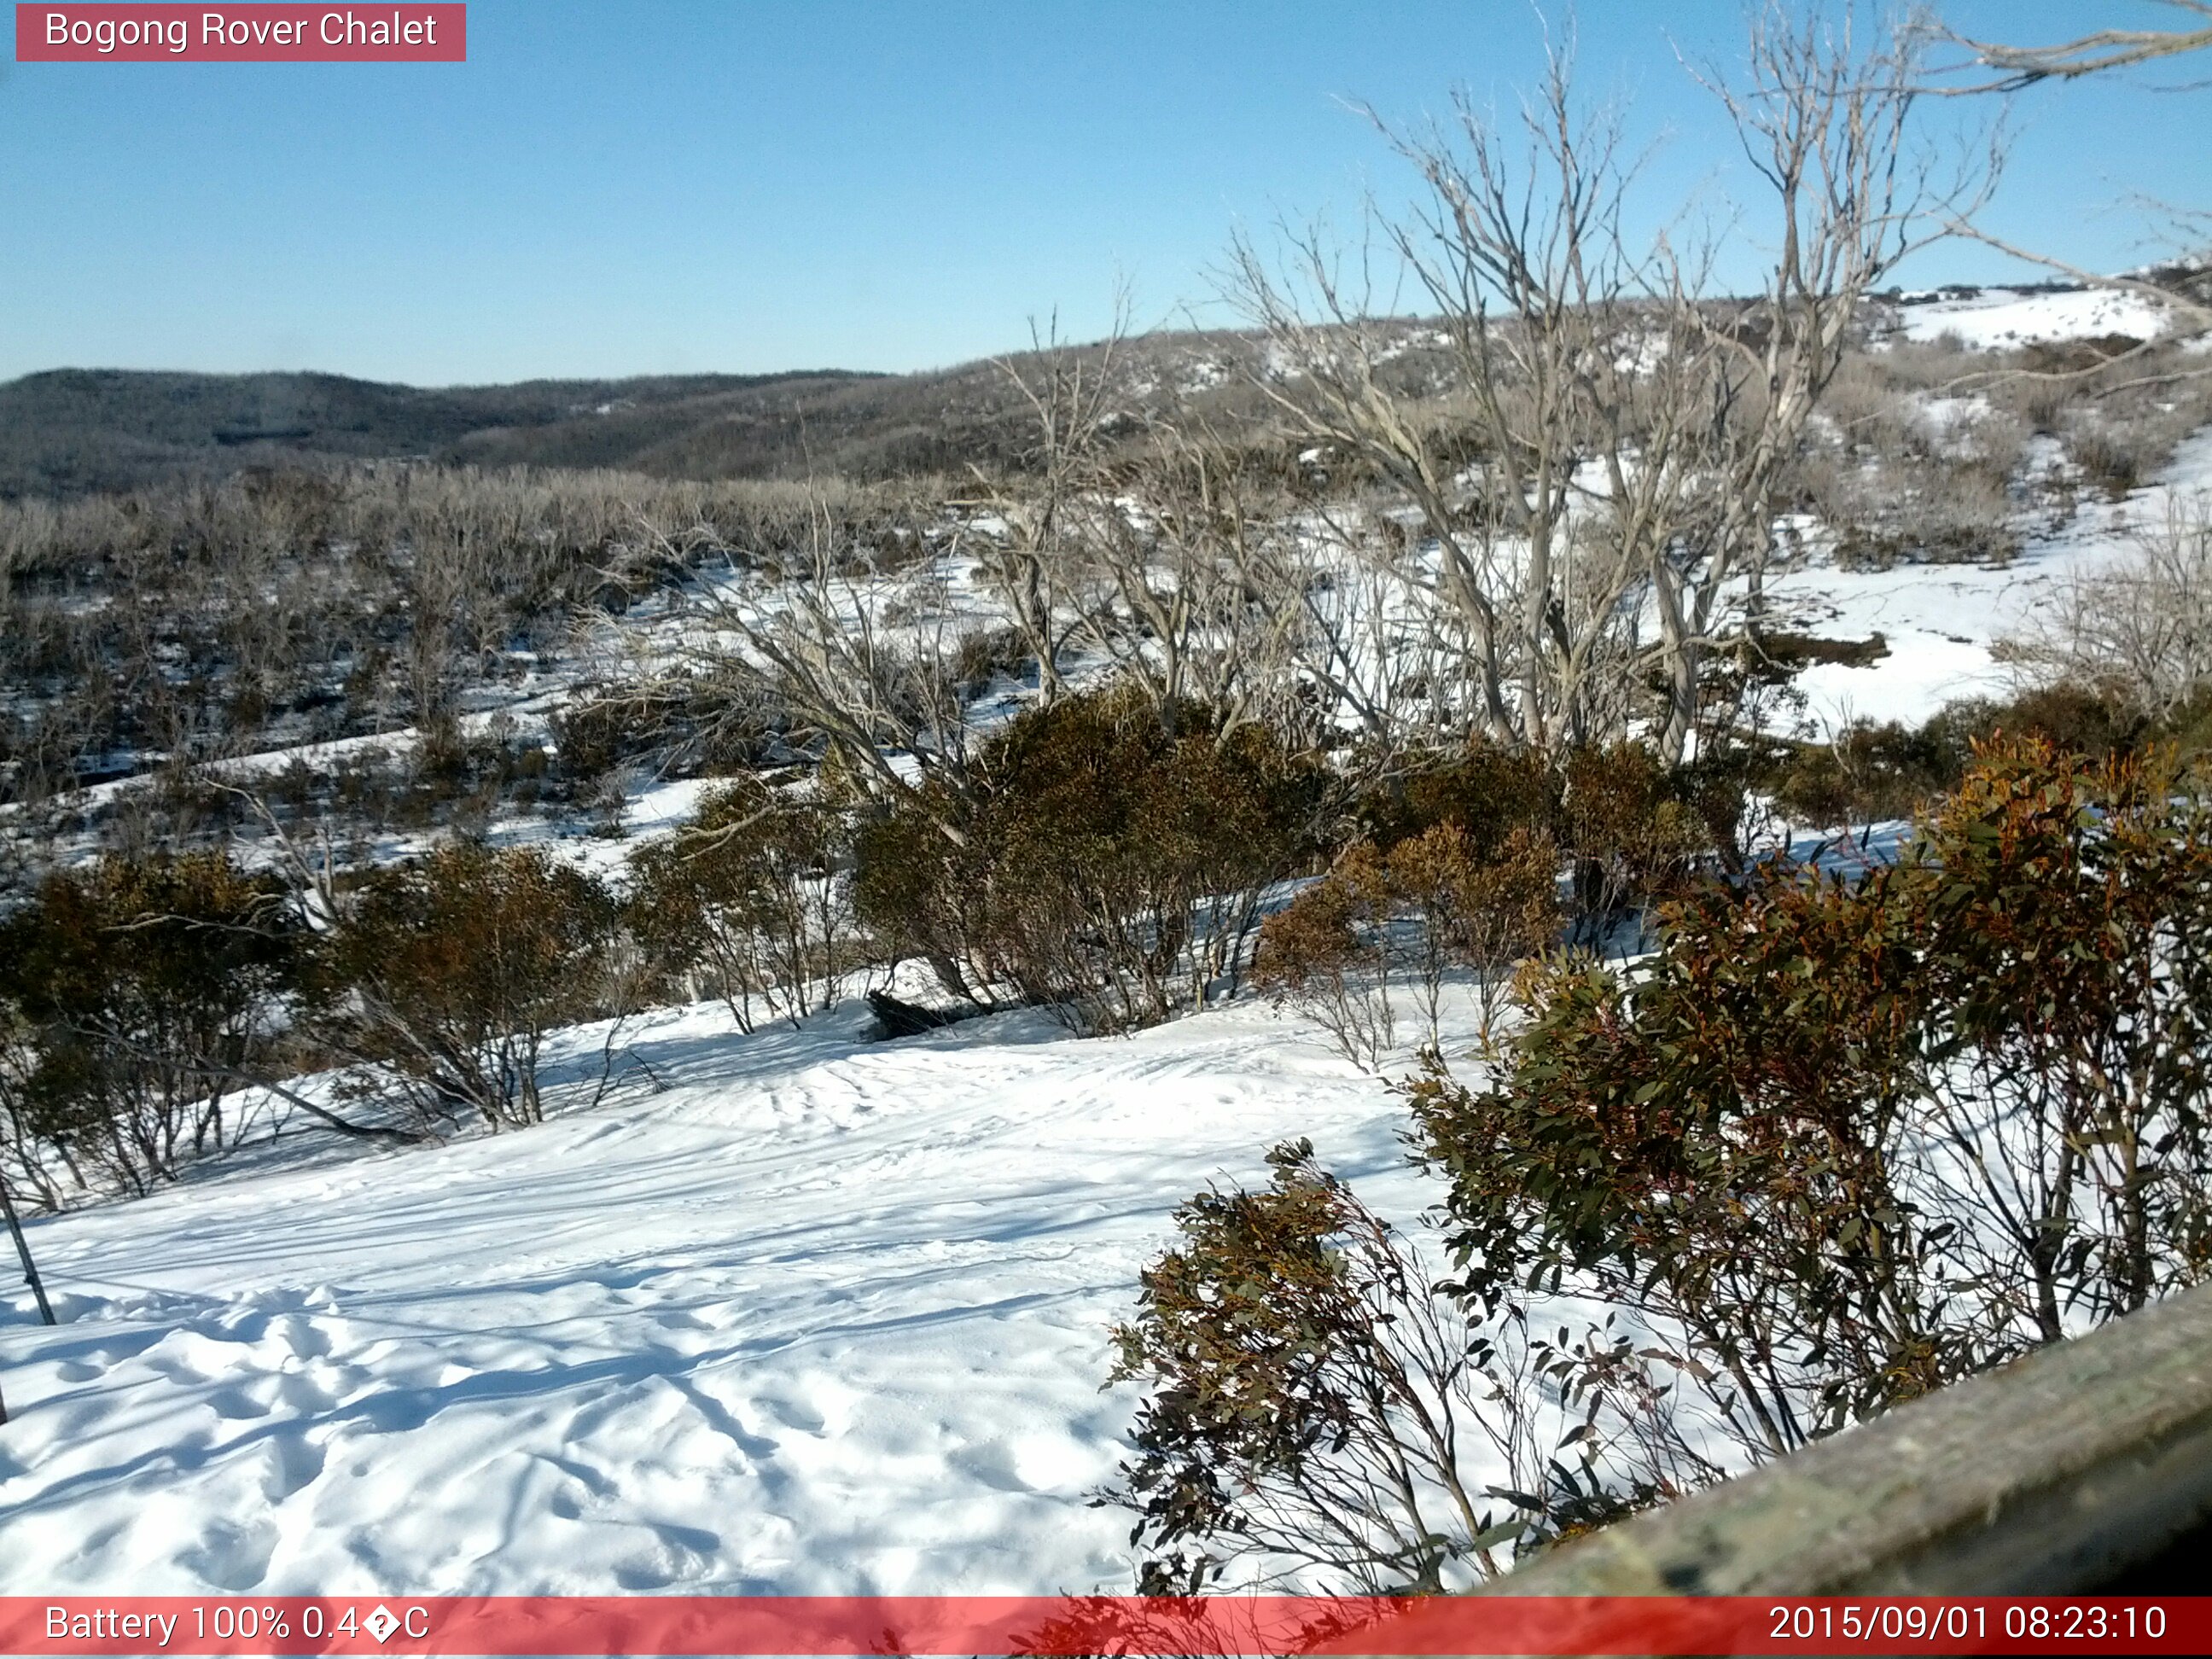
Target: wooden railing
2085,1467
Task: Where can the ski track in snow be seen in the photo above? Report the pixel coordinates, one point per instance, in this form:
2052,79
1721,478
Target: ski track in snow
825,1316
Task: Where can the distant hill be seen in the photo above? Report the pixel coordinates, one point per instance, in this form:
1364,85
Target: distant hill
69,431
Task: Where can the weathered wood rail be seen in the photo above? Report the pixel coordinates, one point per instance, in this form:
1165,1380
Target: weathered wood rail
2085,1467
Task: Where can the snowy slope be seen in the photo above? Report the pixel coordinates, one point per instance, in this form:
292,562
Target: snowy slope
1939,620
824,1317
1997,319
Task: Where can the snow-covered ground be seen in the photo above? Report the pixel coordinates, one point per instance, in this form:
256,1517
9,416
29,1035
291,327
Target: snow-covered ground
1996,319
1940,620
822,1316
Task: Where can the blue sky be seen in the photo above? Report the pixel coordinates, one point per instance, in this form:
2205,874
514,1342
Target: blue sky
645,186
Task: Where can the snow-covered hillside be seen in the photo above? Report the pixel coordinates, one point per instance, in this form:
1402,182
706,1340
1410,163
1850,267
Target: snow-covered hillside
822,1316
1940,620
1998,319
816,1314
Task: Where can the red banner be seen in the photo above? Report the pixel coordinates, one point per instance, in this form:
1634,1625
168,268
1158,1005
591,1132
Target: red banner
989,1626
166,34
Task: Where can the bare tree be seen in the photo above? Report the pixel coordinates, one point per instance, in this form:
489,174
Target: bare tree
2142,629
1517,247
1147,564
1359,645
1073,394
1825,115
1145,555
1605,439
2093,53
862,654
1168,587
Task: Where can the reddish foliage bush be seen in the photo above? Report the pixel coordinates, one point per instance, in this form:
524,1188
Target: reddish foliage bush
1432,904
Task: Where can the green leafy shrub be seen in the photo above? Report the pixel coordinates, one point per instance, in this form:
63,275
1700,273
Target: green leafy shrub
1482,914
1851,1140
1314,1410
1833,1144
1327,953
1633,828
1868,773
1871,772
921,892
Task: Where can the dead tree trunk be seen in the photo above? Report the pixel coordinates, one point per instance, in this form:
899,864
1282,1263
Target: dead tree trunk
30,1270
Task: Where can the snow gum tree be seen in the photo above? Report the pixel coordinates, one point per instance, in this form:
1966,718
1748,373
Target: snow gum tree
1589,436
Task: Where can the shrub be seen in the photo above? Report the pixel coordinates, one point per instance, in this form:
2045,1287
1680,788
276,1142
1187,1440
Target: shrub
1833,1144
2110,457
1432,905
1629,826
988,654
31,1164
1328,954
2071,717
921,892
192,616
1130,863
1634,828
2065,910
1868,772
1098,863
1483,916
1850,1141
752,897
448,973
1485,790
593,738
135,993
1312,1409
2139,633
1885,505
679,723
